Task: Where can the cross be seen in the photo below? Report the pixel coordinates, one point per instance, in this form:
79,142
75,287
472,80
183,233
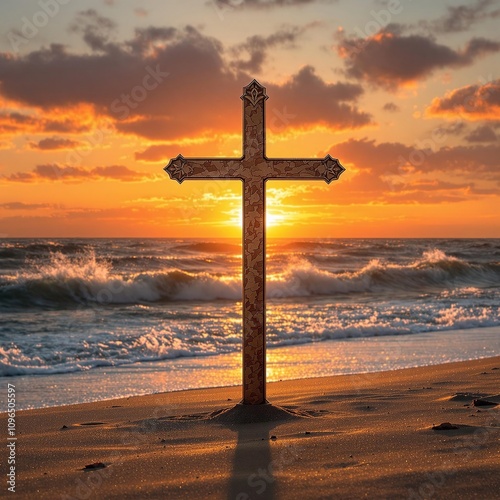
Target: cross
254,169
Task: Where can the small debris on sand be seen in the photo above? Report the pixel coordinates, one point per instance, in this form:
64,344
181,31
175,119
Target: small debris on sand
94,466
445,426
483,402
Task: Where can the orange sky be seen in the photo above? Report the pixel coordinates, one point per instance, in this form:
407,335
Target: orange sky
97,96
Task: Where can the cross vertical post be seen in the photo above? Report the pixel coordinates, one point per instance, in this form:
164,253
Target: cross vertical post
254,169
254,247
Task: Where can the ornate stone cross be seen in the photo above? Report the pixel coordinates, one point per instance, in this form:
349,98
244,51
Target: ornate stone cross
254,169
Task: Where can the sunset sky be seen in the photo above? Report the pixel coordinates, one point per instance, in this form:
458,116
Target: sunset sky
96,96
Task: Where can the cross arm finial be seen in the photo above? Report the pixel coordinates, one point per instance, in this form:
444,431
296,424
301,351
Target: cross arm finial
333,169
180,168
327,169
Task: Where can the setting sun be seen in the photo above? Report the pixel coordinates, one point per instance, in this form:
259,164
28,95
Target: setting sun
272,218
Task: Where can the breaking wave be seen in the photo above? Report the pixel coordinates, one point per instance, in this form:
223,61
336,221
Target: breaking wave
64,280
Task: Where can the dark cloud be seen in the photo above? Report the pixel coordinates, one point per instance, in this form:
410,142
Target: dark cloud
262,4
483,133
163,152
305,100
131,81
19,123
146,39
65,126
390,59
51,143
257,46
11,123
478,160
463,17
19,205
453,128
384,158
393,172
159,152
142,83
479,101
97,30
390,106
55,172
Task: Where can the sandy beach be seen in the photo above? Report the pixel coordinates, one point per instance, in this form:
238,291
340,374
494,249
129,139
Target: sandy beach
350,436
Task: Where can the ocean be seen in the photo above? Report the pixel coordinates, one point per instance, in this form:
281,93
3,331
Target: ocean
88,319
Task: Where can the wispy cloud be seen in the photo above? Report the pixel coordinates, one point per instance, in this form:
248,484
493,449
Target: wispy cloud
264,4
55,143
462,17
55,172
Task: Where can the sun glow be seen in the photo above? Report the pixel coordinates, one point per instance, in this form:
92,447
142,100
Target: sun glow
272,218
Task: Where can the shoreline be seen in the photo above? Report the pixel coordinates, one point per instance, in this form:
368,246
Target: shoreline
346,436
295,362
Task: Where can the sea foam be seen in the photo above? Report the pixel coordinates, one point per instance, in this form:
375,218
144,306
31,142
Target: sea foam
82,278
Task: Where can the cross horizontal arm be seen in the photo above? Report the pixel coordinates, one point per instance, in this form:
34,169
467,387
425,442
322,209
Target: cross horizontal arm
327,169
181,168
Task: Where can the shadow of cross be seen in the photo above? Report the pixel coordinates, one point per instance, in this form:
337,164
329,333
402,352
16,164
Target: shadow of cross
254,169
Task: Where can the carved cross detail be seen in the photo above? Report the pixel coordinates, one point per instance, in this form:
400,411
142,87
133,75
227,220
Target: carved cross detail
254,169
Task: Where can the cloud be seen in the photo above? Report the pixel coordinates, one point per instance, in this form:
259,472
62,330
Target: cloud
367,155
397,158
462,17
483,133
54,143
141,84
97,30
398,173
477,160
159,152
390,106
306,100
15,123
11,123
257,46
390,59
55,172
201,148
19,205
262,4
472,102
141,12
